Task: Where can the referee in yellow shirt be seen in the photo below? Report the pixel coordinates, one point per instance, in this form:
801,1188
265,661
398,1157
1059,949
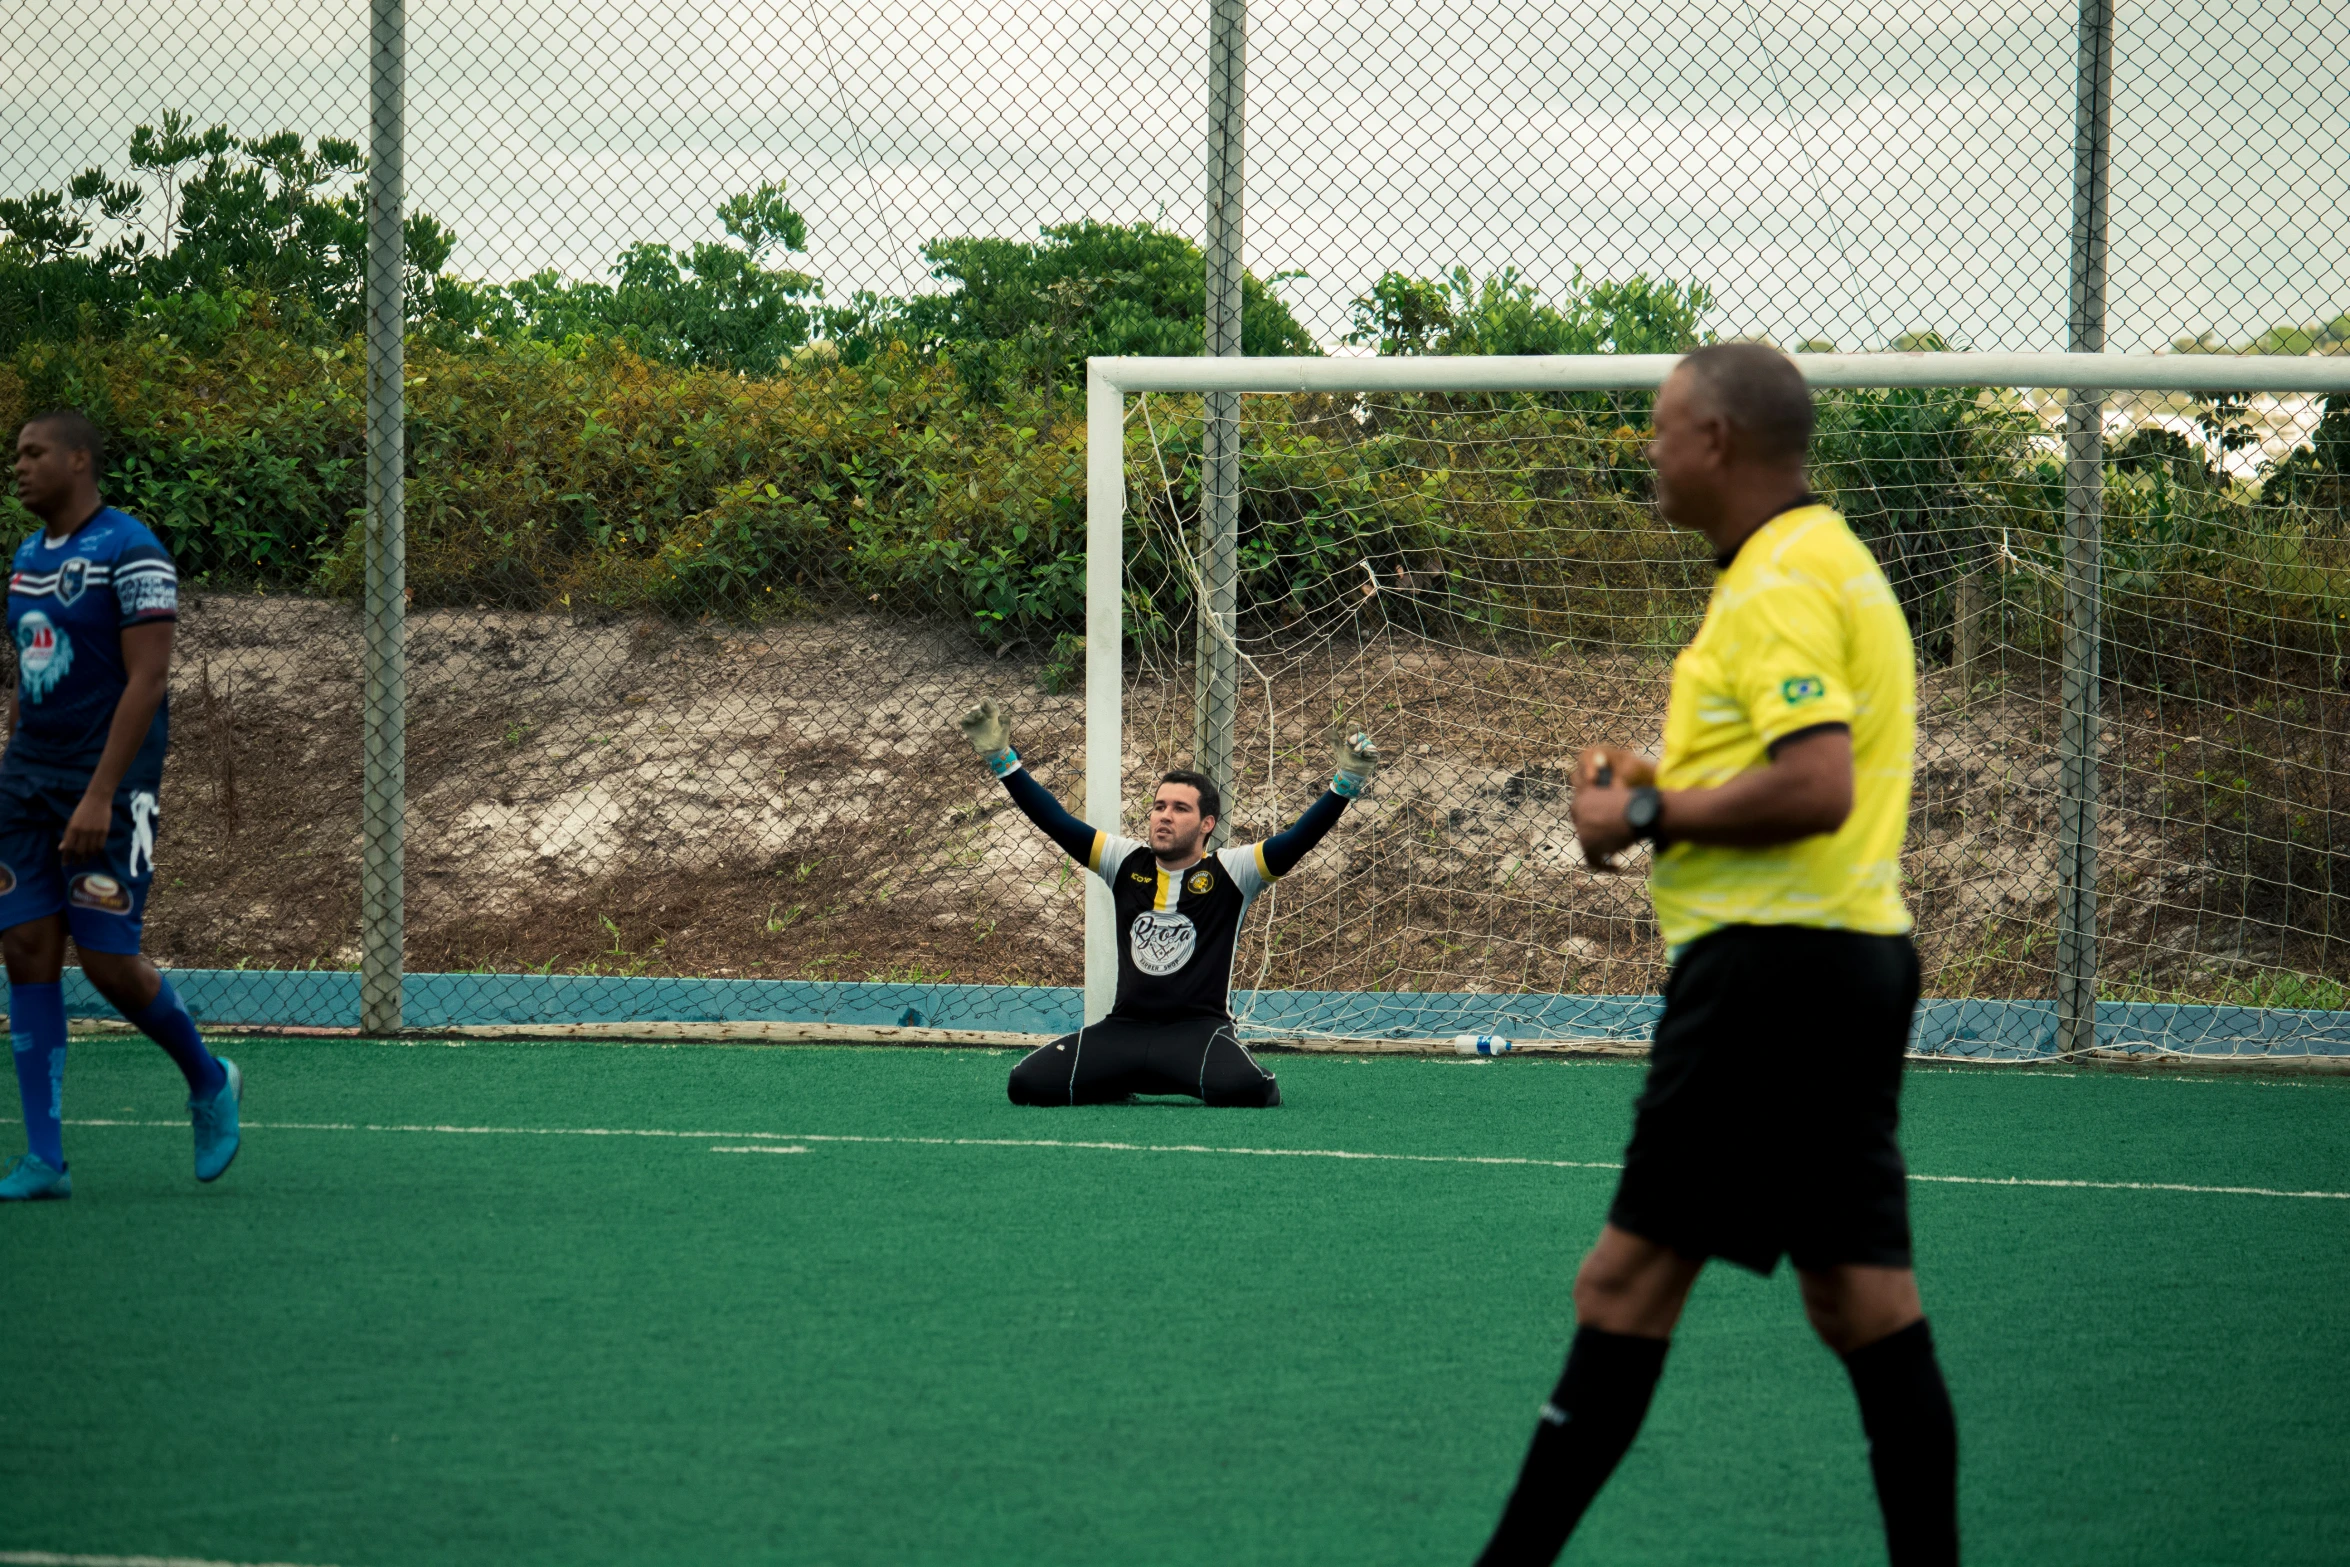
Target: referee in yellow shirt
1766,1127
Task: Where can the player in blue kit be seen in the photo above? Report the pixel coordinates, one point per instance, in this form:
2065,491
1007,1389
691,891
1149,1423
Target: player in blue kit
1179,911
92,603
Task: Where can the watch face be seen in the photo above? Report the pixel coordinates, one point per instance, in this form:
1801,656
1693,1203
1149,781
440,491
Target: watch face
1640,812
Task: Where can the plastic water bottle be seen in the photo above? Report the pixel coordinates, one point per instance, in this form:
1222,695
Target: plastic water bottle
1480,1044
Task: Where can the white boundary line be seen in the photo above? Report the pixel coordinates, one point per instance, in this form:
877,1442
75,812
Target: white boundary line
2127,1186
64,1559
1190,1148
911,1142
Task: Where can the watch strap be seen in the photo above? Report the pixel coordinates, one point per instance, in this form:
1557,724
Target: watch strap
1646,811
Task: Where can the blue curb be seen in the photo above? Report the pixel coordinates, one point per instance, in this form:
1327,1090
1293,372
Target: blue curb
1990,1030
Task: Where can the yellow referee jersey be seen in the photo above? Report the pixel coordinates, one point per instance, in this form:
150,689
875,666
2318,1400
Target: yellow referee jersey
1802,630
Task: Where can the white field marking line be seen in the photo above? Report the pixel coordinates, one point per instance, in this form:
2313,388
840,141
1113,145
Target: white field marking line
916,1142
1197,1148
62,1559
793,1148
2126,1186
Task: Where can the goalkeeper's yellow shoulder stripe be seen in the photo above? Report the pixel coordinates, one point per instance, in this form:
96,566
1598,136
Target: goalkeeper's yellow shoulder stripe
1093,856
1263,869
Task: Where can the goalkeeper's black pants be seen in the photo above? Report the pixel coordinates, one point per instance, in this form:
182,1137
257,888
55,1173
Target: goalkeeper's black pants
1105,1062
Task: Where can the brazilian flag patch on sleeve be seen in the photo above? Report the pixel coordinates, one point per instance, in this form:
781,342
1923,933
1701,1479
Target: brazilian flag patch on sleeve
1800,689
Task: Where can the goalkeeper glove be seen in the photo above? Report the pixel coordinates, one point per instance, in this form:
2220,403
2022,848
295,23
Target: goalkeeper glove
991,736
1358,760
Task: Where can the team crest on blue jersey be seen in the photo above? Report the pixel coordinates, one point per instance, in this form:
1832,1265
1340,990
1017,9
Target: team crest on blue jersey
43,654
72,577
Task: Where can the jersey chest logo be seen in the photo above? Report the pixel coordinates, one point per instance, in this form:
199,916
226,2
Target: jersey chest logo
43,654
1162,942
72,577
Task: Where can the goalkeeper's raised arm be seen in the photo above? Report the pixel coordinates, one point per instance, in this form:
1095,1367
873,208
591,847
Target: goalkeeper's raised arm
1355,763
990,734
1179,910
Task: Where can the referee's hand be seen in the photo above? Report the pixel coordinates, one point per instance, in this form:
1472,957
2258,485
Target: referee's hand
1605,776
1627,768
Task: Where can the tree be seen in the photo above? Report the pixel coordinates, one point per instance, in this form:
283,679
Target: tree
1023,311
1505,314
274,214
711,303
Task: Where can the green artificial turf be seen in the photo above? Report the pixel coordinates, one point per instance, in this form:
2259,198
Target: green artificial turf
373,1348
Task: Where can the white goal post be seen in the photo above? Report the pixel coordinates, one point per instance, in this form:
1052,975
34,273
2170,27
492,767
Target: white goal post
1111,382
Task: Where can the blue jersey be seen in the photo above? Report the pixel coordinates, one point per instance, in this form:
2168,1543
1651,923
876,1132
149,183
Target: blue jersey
68,602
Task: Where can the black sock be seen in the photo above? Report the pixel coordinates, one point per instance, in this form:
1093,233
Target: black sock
1590,1420
1913,1445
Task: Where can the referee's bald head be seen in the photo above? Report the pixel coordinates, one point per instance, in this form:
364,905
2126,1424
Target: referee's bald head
1758,393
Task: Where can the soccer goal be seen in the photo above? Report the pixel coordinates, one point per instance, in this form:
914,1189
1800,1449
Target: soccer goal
2131,816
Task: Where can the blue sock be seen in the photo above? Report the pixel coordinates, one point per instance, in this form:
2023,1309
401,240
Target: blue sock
167,1022
36,1036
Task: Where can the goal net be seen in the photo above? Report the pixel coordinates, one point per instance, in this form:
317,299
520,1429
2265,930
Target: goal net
2131,812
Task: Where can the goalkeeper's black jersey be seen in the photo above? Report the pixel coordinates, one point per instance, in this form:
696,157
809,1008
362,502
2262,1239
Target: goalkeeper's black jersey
1177,931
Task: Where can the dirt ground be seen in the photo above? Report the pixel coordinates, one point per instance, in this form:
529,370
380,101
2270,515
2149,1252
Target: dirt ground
792,800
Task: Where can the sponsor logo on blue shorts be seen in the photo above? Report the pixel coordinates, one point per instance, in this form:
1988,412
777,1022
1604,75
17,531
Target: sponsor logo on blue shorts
97,890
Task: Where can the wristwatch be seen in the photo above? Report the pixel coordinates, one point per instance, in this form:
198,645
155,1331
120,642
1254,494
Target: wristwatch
1643,813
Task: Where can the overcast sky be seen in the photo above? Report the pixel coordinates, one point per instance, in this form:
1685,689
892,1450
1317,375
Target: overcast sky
1840,170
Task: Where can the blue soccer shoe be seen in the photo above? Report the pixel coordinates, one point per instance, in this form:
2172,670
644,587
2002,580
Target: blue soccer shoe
30,1179
216,1124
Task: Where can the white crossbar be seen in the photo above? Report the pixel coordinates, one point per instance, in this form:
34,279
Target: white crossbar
1624,372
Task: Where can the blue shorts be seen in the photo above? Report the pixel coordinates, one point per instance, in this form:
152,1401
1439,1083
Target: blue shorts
104,899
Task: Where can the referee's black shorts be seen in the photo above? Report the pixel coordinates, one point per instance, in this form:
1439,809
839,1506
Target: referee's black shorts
1766,1127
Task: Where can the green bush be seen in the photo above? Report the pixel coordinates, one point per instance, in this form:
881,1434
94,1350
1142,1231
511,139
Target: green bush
2315,477
1918,473
246,457
591,474
597,478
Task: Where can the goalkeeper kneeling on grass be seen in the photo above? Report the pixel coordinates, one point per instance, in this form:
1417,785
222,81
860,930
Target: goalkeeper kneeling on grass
1179,909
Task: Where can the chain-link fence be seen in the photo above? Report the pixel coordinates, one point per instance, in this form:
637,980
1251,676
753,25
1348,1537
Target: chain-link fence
742,393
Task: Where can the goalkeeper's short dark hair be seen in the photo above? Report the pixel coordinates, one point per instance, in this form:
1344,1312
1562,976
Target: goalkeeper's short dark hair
1211,799
1759,393
75,431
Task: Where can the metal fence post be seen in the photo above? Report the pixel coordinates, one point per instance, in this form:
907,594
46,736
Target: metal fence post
383,742
1217,666
2084,496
